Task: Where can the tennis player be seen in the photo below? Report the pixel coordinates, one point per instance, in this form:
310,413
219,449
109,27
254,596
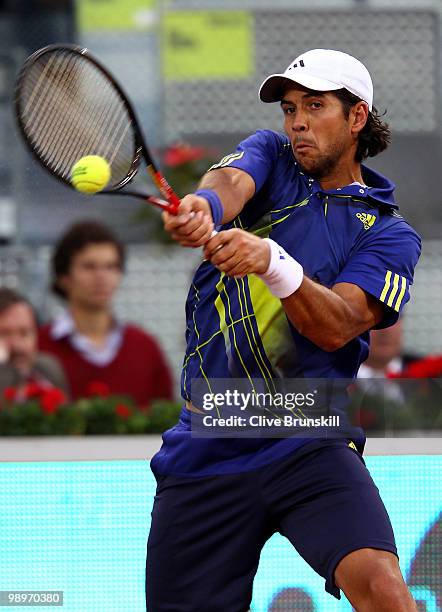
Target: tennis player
312,255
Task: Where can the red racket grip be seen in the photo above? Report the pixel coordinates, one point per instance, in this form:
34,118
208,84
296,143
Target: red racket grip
167,191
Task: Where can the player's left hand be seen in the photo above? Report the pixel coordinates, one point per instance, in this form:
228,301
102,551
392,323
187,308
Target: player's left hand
238,253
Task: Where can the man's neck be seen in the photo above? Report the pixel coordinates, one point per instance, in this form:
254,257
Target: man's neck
94,324
343,174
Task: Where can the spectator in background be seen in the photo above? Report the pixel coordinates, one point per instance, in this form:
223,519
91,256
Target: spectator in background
20,362
97,350
386,360
386,355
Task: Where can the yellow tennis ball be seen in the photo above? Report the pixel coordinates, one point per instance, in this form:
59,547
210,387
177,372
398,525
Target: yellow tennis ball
90,174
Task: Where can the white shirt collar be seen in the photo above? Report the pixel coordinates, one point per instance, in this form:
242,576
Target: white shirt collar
64,327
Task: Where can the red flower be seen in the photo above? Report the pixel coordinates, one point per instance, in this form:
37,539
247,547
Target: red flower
181,153
123,411
365,418
51,399
33,389
97,388
429,367
9,394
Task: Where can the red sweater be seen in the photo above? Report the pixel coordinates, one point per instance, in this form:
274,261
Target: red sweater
139,369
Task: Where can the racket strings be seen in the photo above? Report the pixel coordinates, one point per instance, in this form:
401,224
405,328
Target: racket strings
30,106
38,118
56,140
89,137
71,109
78,140
82,121
47,131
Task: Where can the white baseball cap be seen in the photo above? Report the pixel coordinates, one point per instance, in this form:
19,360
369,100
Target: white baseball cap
322,70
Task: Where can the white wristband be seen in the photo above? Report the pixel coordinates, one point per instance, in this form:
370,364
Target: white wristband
284,274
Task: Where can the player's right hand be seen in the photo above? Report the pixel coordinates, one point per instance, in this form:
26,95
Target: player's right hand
193,225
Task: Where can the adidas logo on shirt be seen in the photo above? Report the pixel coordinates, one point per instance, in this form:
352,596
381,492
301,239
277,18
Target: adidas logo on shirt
366,219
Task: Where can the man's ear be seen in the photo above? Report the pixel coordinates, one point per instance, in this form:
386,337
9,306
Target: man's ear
359,116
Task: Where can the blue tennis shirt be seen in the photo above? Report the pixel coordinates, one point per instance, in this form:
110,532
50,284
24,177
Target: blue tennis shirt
237,329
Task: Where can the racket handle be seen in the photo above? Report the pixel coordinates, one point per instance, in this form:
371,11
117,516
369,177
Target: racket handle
174,203
166,190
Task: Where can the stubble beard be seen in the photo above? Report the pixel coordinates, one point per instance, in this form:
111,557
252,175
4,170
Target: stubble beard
323,165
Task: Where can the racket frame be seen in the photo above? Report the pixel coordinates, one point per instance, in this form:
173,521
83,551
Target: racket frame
171,202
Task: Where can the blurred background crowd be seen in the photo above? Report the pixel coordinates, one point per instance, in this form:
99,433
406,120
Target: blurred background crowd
92,297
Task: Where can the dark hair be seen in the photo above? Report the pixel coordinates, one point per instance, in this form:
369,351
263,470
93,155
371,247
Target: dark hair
375,136
10,297
75,240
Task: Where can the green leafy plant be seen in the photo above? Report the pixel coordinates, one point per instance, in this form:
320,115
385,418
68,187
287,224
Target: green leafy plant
39,411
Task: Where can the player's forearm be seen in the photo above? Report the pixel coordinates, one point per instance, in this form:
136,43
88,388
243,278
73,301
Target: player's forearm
323,316
328,317
234,188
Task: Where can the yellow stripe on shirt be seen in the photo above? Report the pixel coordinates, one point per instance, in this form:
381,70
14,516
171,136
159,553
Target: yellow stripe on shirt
386,286
394,290
401,294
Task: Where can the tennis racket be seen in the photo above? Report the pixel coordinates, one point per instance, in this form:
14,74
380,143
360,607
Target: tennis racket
69,106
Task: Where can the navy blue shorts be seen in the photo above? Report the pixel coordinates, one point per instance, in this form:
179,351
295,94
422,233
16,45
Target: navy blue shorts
207,532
